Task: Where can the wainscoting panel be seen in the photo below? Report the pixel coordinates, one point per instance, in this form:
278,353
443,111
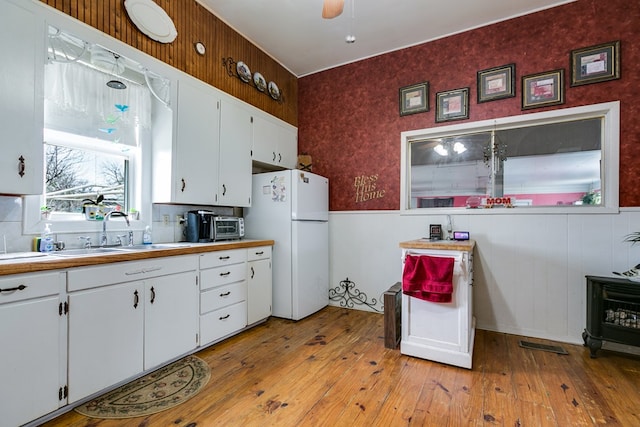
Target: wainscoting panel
529,269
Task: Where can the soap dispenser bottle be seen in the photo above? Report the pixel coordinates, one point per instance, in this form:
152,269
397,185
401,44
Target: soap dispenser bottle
46,242
146,235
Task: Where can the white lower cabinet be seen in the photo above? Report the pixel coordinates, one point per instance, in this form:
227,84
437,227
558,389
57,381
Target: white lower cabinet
442,332
71,334
119,328
259,284
105,337
171,317
33,355
223,294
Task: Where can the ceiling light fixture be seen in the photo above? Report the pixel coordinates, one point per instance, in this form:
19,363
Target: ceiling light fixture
116,84
351,38
444,149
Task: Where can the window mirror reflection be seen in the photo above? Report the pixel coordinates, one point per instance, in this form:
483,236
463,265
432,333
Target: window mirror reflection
521,161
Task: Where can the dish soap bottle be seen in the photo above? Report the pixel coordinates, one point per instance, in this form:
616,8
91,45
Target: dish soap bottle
46,242
146,235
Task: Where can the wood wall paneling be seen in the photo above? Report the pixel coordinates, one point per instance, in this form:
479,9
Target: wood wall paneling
195,23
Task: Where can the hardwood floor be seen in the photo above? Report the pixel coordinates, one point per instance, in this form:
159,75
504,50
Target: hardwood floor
332,369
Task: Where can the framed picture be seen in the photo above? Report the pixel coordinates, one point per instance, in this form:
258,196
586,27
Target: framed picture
414,99
496,83
595,64
543,89
452,105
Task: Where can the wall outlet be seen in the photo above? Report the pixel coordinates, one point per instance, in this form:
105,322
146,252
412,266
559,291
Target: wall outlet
165,220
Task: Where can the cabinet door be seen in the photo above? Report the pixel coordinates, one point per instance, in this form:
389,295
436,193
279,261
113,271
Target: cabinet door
171,317
265,140
288,148
105,337
31,348
259,290
21,112
234,179
197,143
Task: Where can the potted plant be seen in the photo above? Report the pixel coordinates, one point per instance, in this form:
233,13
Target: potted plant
93,209
45,211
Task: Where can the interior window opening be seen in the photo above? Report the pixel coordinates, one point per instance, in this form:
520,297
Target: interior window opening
564,158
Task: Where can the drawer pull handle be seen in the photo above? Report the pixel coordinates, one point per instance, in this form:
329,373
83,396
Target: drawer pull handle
184,184
224,258
153,295
135,299
226,294
225,317
253,272
260,253
21,166
17,288
225,274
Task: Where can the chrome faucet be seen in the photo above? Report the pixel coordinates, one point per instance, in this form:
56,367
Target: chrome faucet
103,237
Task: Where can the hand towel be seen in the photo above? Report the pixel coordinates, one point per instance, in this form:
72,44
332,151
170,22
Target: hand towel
428,278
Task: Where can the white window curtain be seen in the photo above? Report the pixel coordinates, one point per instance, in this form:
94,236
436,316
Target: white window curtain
78,102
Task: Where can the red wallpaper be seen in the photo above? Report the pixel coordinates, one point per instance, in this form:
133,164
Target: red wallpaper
348,116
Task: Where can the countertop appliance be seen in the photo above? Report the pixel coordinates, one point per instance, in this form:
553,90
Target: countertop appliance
205,226
200,226
292,208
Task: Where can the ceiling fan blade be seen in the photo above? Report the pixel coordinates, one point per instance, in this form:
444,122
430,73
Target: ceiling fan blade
332,8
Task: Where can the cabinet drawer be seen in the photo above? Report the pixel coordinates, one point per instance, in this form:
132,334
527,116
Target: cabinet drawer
26,286
222,322
222,296
121,272
263,252
222,275
219,258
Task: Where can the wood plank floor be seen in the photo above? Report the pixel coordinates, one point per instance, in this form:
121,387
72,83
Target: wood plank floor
331,369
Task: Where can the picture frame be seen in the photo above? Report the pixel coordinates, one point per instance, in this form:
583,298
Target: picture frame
496,83
452,105
414,99
543,89
595,64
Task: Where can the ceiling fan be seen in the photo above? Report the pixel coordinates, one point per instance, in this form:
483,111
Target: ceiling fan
332,8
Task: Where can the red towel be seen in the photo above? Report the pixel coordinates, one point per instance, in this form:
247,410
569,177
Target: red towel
428,278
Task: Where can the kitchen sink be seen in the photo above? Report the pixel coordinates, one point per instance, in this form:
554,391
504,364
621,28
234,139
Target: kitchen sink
85,252
154,246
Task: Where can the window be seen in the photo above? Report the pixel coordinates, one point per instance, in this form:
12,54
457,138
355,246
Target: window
99,112
558,159
78,174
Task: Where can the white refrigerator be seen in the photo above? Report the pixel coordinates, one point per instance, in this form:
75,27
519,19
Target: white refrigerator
291,207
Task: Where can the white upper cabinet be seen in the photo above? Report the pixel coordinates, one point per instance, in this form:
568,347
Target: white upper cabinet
234,179
275,143
185,168
21,110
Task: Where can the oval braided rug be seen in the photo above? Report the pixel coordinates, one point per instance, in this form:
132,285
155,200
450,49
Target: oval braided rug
160,390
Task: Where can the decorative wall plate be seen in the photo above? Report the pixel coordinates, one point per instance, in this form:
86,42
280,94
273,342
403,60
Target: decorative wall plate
151,19
259,81
243,72
274,91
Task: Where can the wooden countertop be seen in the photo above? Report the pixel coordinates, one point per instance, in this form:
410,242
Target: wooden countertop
446,245
52,262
